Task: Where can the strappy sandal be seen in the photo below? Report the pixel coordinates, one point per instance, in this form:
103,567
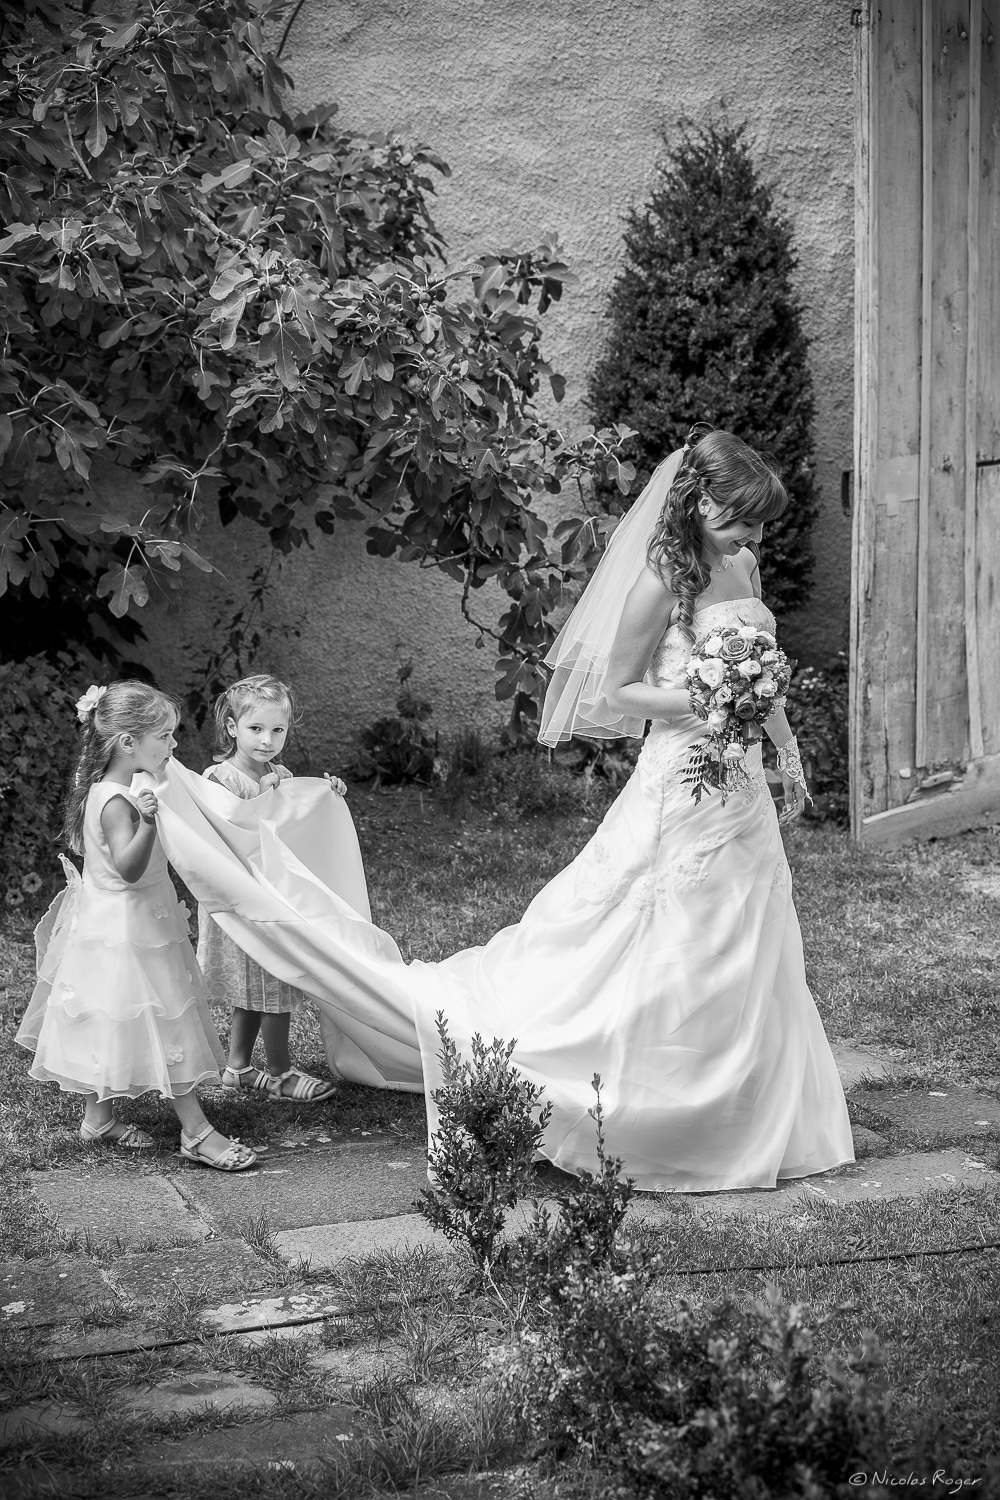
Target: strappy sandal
305,1090
129,1137
235,1157
232,1079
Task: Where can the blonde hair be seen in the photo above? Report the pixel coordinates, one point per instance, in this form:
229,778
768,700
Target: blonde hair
744,483
238,700
126,708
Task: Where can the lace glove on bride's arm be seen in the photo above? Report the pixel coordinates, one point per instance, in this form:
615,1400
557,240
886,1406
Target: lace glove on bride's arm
793,776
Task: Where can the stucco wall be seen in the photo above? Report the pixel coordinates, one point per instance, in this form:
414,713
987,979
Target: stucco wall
551,118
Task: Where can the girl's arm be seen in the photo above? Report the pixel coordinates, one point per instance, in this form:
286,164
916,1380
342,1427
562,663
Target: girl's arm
644,619
130,834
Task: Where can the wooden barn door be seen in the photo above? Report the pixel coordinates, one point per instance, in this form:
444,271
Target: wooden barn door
925,619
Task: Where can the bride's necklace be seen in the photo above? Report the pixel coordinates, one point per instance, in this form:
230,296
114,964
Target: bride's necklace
724,562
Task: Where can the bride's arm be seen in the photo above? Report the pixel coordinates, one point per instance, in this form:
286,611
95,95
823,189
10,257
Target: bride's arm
777,728
644,619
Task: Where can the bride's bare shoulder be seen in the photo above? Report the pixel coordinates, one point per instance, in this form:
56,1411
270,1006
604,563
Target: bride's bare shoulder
749,570
652,590
647,608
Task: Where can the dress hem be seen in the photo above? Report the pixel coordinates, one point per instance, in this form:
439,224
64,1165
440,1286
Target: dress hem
745,1187
73,1086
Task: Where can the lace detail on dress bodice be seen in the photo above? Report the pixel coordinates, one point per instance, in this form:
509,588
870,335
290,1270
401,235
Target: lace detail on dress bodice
666,669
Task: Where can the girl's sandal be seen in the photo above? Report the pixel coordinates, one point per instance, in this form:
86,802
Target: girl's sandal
305,1090
235,1157
232,1079
130,1137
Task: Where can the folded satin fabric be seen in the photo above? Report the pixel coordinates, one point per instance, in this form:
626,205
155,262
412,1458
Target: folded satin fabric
282,875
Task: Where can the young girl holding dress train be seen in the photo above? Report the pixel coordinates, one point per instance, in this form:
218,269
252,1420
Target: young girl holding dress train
252,719
119,1008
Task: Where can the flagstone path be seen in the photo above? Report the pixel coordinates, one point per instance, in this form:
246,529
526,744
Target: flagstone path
178,1255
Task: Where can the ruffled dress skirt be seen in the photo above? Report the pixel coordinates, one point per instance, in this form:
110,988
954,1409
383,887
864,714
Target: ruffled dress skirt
119,1008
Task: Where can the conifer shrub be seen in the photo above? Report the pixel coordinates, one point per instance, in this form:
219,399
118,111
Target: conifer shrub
705,325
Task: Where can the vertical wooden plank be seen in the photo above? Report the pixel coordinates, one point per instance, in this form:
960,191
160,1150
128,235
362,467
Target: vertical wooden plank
943,689
886,678
865,383
988,600
971,388
988,395
988,415
926,363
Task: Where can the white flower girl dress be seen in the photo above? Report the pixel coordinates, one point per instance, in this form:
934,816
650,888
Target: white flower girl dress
119,1007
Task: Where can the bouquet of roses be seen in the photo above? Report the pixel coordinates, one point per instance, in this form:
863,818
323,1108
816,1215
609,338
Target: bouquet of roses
737,677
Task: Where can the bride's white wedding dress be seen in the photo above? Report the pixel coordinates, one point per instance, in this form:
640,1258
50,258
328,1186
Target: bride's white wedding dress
667,958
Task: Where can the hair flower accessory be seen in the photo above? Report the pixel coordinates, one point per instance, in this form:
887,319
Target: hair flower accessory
85,706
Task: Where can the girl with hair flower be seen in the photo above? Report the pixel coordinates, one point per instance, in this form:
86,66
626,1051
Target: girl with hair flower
119,1008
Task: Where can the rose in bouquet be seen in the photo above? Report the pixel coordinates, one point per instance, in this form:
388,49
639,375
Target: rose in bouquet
737,677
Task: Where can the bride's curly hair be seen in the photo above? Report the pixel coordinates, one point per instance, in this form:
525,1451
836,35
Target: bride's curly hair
720,467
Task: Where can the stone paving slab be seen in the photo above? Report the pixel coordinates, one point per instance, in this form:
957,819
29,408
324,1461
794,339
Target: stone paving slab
219,1268
329,1185
118,1208
324,1245
866,1142
292,1305
927,1113
908,1175
40,1419
904,1176
301,1441
44,1292
854,1064
208,1392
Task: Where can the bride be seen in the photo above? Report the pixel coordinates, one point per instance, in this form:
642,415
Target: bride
667,957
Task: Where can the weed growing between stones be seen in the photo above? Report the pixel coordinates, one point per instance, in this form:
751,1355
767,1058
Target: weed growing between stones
255,1231
279,1364
375,1292
104,1312
490,1126
408,1441
180,1315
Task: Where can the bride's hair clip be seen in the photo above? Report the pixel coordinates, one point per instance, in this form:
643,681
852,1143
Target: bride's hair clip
694,436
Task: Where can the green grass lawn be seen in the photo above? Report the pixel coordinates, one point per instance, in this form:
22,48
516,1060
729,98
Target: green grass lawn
901,949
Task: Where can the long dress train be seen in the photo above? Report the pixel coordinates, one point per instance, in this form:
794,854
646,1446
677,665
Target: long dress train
666,957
